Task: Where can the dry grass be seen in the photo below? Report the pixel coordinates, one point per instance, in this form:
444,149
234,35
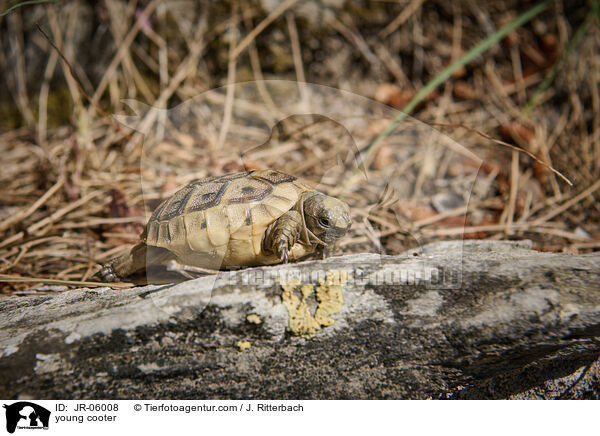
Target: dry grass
71,195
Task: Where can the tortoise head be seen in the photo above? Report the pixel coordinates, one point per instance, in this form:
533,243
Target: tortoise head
326,217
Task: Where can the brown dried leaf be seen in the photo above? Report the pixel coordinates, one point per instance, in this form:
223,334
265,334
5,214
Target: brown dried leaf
550,46
417,213
517,133
383,157
463,89
398,98
385,91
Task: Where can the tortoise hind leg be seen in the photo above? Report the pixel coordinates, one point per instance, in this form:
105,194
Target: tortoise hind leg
135,260
124,265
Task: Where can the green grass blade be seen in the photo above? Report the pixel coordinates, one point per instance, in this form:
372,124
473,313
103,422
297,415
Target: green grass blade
551,74
25,3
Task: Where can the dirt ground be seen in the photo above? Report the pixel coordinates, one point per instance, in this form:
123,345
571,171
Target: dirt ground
506,147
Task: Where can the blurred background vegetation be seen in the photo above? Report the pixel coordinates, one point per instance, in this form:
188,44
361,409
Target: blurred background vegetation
70,194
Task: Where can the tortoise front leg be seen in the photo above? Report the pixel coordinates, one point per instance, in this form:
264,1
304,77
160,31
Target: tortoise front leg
282,234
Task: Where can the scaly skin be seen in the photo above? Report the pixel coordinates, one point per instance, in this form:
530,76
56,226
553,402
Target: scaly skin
282,234
133,261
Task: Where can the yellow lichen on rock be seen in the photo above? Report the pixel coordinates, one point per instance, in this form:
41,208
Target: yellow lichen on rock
243,345
301,322
329,296
329,301
253,319
307,290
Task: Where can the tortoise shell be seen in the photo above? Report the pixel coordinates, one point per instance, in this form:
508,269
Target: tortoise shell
220,221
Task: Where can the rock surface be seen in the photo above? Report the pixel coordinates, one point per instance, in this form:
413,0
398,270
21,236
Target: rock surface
475,320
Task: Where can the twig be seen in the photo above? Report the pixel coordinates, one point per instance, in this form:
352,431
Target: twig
85,94
551,74
15,34
123,47
297,56
256,68
506,144
92,222
184,70
51,219
231,67
357,40
43,98
560,209
275,13
25,3
515,57
509,211
401,19
526,227
35,206
390,61
479,49
57,33
14,279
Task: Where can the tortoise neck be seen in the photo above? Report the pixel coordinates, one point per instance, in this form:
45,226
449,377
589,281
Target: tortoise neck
308,237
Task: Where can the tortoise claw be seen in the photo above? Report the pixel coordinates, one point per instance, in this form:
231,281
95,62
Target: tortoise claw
285,255
282,252
107,274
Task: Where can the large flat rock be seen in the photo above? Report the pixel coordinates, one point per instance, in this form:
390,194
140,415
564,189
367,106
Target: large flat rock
475,320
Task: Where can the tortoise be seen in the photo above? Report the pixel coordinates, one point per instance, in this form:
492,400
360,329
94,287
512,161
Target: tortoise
237,220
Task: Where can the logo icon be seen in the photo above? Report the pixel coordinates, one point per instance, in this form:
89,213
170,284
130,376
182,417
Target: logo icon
26,415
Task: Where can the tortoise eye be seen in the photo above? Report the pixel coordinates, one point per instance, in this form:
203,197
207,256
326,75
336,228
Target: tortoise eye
324,222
